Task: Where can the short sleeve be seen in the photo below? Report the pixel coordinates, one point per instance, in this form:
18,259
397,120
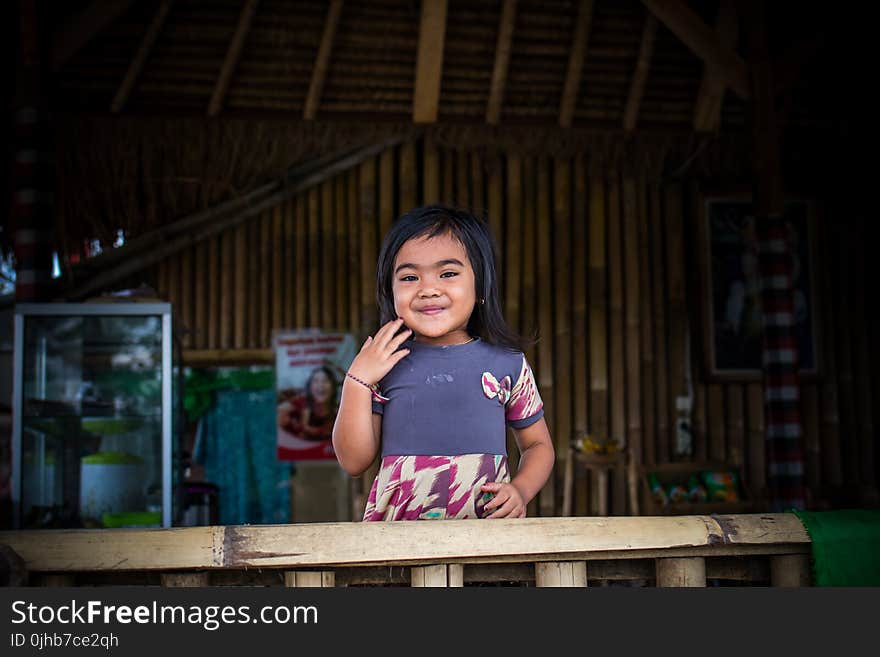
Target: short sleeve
525,406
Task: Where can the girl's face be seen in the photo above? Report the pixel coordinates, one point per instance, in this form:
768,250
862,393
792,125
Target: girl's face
434,289
321,387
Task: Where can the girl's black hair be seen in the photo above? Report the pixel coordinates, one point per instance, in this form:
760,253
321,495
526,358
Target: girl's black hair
487,320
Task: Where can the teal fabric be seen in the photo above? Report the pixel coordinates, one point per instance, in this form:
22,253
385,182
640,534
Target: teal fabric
845,546
237,447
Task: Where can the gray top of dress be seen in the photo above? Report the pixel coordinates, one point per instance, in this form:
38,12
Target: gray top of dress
446,401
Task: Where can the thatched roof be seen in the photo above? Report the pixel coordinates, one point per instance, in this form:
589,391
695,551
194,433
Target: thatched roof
262,58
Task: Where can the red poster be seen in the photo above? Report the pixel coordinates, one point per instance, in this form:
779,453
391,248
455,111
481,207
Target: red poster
309,369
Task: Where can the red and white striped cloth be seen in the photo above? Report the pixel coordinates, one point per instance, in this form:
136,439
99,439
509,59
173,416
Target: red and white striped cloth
784,444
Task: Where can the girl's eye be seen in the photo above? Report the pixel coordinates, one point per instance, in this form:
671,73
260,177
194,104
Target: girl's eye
448,274
407,279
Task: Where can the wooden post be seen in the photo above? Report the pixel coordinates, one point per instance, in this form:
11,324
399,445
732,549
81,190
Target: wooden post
790,570
681,571
545,371
561,573
319,579
440,575
184,579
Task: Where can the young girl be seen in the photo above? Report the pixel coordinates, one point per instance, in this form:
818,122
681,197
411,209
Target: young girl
440,379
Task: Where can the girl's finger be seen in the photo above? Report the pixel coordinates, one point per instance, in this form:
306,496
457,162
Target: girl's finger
398,356
399,339
384,334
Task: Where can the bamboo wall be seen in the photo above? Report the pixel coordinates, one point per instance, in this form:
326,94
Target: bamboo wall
598,262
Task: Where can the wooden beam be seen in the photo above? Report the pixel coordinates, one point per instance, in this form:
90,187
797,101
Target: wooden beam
502,60
707,112
319,73
97,16
575,63
696,35
232,56
640,76
140,58
151,248
419,543
429,65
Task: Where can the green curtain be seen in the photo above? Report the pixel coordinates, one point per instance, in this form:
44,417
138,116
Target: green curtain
845,545
236,444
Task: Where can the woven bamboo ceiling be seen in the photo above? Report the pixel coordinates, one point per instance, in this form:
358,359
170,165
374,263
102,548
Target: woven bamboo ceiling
619,64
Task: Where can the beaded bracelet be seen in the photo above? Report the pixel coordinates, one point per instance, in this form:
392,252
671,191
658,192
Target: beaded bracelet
374,389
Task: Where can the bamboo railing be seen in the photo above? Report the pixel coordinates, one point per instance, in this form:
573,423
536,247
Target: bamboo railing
573,551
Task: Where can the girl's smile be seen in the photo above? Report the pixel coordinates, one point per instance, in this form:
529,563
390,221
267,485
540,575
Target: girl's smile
434,289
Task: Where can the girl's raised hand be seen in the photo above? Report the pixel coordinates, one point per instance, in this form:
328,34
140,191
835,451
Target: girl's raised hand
379,354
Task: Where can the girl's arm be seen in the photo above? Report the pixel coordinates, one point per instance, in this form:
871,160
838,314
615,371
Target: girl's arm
535,466
357,431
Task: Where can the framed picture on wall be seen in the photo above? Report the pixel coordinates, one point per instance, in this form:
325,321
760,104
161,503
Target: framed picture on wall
730,286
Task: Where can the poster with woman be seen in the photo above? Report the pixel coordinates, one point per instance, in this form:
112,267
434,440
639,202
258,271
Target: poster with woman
309,368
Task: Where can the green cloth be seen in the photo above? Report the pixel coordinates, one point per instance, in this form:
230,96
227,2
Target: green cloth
846,546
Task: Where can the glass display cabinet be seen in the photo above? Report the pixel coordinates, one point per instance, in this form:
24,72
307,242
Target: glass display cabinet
92,417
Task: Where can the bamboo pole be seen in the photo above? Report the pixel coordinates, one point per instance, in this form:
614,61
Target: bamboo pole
598,309
276,251
430,171
661,327
646,333
289,262
561,574
478,199
530,236
615,309
757,473
200,294
676,294
386,191
254,296
579,296
301,294
227,317
735,431
562,302
212,324
617,356
313,289
354,253
328,254
812,451
240,297
496,199
633,318
790,570
185,580
512,267
681,572
265,269
863,383
462,185
185,262
699,422
369,251
320,579
717,450
545,373
845,377
447,177
831,443
407,177
342,273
